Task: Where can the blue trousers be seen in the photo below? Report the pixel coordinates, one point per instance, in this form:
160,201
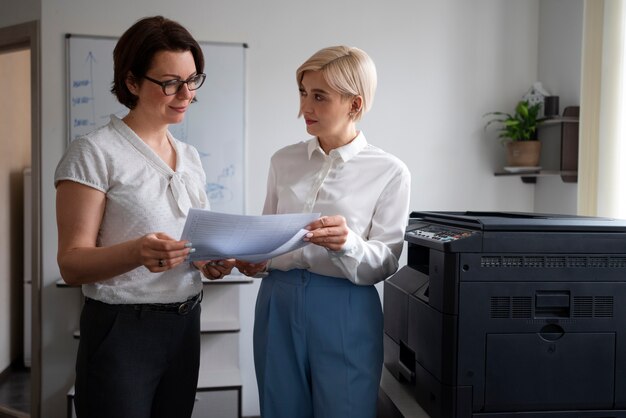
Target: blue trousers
318,346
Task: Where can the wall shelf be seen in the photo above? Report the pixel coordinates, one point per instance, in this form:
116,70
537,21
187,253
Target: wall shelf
568,158
531,176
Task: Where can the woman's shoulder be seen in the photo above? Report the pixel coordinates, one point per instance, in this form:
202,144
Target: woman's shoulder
293,150
388,158
97,140
99,137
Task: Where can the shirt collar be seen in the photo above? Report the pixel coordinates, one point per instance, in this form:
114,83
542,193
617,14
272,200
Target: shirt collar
345,152
144,148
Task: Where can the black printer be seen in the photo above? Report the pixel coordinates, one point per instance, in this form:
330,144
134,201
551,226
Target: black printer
502,314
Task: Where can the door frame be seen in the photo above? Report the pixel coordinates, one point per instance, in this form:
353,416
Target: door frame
17,37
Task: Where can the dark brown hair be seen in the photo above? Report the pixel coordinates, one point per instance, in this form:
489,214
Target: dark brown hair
136,48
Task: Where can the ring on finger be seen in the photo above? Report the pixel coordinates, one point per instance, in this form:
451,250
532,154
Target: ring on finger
161,262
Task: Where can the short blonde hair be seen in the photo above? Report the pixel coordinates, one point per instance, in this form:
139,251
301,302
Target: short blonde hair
347,70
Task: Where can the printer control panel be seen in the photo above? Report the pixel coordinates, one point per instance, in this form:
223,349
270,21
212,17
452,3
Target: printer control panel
437,233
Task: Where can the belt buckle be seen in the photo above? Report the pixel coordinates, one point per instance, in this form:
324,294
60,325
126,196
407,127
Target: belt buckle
184,308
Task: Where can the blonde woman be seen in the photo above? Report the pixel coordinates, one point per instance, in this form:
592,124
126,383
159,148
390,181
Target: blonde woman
318,332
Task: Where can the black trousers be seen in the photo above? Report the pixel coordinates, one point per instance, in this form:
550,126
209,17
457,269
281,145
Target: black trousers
136,363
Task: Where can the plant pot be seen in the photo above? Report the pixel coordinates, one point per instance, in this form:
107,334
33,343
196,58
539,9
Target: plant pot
523,153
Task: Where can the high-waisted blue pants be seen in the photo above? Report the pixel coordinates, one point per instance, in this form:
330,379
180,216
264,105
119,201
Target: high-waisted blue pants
318,346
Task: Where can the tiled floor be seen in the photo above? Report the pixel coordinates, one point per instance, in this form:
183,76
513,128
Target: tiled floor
15,391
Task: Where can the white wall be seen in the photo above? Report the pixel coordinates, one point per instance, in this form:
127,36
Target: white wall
15,12
442,64
560,46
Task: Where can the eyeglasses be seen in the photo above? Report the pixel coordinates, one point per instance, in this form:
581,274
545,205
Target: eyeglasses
171,87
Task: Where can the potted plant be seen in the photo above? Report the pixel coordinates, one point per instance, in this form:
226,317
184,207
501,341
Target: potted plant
519,132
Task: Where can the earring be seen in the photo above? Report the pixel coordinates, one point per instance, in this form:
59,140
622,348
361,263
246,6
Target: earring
351,114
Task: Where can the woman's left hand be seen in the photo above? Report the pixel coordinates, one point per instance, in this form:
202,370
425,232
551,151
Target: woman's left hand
328,231
215,269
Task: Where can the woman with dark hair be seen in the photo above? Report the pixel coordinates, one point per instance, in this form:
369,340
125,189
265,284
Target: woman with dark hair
123,193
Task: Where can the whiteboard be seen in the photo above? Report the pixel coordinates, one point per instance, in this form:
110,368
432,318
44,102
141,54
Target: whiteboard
214,124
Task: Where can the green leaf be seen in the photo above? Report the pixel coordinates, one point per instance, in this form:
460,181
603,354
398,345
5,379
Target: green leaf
520,126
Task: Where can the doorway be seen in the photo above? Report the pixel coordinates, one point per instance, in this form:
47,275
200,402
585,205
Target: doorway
20,242
15,161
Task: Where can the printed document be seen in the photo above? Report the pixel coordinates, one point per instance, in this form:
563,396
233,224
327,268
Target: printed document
254,239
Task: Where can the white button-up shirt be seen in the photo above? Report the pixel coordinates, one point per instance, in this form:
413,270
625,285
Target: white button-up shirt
359,181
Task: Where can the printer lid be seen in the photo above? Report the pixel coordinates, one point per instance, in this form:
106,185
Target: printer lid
521,221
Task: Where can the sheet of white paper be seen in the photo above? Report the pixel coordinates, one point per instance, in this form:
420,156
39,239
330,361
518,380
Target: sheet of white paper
217,235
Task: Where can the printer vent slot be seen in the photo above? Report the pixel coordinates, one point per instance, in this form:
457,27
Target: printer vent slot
522,307
617,262
603,307
556,262
537,261
593,306
583,306
534,262
512,261
577,262
505,307
601,262
500,307
490,261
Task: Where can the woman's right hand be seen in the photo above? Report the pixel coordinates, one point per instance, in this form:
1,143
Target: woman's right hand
159,252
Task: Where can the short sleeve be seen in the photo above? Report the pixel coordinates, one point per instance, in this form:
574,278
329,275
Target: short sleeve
83,162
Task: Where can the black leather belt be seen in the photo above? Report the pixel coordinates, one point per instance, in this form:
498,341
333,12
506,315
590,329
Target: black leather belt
181,308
